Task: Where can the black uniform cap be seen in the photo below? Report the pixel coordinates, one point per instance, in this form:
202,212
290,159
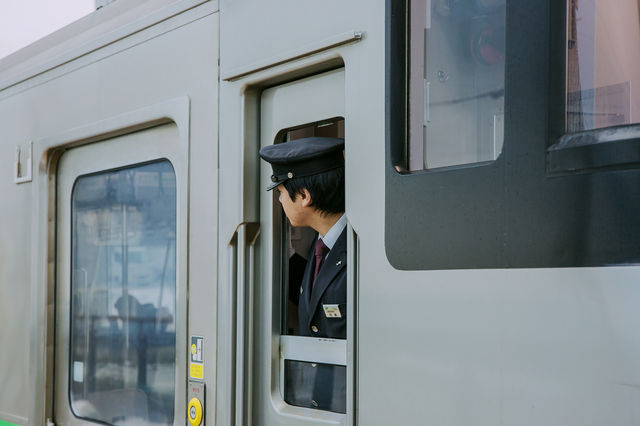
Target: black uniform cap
303,157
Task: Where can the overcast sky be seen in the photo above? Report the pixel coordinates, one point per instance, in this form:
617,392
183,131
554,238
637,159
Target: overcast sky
24,21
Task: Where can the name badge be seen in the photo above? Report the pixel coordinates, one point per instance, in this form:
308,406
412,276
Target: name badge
332,311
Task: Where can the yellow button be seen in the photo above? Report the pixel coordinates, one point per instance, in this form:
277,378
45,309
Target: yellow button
314,328
194,411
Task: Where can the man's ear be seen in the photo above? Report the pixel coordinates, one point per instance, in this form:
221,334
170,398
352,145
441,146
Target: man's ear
306,197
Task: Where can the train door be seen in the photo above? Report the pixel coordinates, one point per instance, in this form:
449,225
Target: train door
286,364
121,280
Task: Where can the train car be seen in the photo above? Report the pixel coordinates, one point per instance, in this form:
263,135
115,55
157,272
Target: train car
492,164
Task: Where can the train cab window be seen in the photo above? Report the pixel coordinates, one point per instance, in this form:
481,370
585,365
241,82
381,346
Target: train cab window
123,293
298,240
456,83
603,83
313,371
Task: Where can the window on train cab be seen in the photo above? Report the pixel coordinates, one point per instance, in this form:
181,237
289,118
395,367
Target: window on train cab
26,21
308,384
123,295
297,239
603,59
455,83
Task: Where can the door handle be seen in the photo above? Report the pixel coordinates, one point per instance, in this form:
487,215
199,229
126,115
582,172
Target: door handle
244,240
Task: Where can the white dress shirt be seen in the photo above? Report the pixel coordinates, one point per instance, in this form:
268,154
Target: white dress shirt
334,233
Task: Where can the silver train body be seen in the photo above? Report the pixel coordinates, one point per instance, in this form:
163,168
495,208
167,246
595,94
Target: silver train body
461,311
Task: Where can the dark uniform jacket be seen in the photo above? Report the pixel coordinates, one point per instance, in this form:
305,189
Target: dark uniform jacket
322,386
329,291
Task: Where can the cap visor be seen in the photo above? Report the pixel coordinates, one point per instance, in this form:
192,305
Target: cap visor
273,185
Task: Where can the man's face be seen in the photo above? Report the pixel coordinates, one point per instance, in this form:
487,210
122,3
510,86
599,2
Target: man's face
295,210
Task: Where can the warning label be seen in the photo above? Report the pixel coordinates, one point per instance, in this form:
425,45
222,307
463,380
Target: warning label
196,370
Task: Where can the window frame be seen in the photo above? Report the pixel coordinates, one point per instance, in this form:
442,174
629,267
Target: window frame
280,110
293,347
401,185
521,211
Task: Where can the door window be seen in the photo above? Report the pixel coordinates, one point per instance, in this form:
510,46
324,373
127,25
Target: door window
311,374
297,240
123,292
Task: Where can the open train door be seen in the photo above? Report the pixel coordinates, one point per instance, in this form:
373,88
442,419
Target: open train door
268,344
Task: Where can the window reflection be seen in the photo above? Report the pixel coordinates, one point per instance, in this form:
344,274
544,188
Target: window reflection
124,295
603,59
316,385
456,82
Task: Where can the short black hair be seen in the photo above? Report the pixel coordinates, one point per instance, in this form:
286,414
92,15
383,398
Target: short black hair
326,189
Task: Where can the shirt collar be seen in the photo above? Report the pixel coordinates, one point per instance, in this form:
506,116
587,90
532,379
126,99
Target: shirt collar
335,231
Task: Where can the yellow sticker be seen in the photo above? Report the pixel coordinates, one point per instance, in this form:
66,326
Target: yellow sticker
197,371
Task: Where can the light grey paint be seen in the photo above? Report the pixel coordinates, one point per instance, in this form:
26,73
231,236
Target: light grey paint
448,347
154,64
527,347
300,52
94,31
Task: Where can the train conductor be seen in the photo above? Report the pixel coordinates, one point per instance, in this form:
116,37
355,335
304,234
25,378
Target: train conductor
309,174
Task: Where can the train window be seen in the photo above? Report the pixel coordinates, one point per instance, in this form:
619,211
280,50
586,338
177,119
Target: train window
456,83
311,376
123,293
298,240
478,217
603,83
329,385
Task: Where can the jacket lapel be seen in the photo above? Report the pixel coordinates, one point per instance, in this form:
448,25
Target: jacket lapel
335,261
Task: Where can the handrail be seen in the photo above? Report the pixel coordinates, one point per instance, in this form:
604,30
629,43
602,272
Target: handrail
244,240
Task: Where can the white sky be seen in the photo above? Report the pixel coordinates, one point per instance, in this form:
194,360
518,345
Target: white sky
24,21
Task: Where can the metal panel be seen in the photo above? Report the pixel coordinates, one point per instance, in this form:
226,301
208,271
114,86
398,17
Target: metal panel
328,351
88,34
252,40
156,62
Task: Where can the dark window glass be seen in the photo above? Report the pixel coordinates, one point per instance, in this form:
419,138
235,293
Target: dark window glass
315,385
123,290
